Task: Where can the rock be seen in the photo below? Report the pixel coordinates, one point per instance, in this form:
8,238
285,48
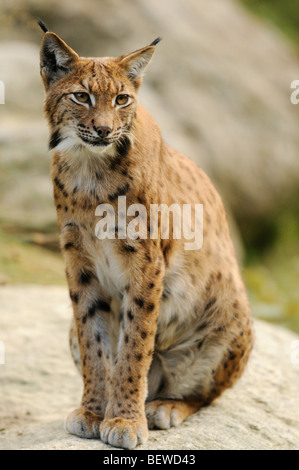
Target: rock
40,385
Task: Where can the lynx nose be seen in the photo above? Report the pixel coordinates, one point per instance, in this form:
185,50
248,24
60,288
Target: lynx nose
103,131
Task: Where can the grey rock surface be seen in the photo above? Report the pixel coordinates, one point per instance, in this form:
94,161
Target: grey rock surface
40,386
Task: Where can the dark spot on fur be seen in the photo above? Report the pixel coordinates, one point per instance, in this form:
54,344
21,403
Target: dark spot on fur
55,139
98,337
130,315
85,277
74,297
58,183
71,224
210,303
115,162
98,305
123,147
129,248
121,191
166,292
139,302
202,326
68,246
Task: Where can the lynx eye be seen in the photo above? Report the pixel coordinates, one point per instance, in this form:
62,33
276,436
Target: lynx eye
82,97
122,99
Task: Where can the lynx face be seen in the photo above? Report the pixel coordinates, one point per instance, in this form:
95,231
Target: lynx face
90,102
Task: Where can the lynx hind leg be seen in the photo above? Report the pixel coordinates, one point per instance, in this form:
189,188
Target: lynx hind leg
193,377
74,346
164,414
166,405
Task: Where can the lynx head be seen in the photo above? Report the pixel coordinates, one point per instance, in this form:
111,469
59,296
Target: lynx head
90,102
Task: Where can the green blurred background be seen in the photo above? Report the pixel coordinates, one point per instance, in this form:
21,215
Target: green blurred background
219,87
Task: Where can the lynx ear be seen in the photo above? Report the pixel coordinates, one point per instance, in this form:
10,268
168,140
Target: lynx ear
56,59
135,63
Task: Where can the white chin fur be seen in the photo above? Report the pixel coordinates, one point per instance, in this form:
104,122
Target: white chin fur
71,144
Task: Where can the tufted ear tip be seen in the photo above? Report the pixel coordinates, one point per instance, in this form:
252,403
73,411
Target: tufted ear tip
42,25
156,41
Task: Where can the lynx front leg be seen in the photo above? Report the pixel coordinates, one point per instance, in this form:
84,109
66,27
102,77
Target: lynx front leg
91,316
125,423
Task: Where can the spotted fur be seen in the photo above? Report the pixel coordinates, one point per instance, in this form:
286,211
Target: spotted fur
158,331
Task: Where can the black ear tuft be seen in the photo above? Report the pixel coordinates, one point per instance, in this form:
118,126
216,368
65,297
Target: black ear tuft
155,42
42,25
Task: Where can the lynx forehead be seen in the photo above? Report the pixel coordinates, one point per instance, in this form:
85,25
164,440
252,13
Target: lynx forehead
158,331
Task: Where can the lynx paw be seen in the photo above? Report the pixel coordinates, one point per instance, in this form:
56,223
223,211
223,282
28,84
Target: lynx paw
165,414
83,423
120,432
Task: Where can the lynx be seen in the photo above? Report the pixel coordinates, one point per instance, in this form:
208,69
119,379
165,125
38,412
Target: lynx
158,331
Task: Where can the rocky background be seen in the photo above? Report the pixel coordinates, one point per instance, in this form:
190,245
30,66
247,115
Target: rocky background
219,87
